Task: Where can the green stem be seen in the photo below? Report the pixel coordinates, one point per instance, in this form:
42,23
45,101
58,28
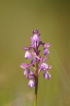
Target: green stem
36,90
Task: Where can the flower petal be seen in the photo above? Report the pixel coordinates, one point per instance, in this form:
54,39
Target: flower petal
35,32
44,59
28,55
46,51
46,45
32,73
34,44
27,48
31,76
43,66
50,66
24,65
33,60
31,83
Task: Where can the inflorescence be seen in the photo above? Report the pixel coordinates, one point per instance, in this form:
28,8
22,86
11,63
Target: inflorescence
38,63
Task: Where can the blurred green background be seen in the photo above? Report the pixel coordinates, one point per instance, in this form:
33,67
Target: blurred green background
18,18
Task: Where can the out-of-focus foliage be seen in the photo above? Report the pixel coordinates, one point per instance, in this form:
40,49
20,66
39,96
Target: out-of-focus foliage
18,18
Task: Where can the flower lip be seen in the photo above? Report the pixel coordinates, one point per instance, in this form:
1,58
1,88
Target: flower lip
26,71
33,60
47,75
28,55
31,83
43,66
31,75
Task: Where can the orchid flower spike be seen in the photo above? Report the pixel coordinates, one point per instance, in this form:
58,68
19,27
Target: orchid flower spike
37,62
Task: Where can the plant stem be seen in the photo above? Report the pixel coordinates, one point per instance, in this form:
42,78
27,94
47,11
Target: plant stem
36,90
36,78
